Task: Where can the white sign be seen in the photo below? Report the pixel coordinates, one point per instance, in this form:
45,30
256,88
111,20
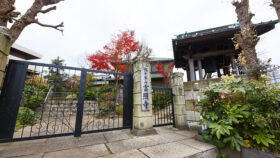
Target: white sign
145,86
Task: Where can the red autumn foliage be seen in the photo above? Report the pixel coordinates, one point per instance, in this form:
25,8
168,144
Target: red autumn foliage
165,74
110,59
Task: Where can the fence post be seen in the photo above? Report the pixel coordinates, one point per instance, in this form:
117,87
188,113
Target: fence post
5,46
142,105
80,104
127,101
10,98
179,100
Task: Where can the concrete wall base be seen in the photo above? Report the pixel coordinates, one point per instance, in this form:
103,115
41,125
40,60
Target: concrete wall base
143,132
193,125
181,127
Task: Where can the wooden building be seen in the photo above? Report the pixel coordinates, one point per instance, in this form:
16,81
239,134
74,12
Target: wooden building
209,51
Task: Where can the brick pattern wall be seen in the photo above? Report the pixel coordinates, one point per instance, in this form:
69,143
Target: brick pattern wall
193,94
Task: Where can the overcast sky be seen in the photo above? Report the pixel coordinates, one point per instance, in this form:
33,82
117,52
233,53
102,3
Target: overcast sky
90,24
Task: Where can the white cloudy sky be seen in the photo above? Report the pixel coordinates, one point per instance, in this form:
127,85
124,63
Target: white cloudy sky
89,24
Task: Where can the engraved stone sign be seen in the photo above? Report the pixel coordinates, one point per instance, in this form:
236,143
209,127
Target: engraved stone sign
145,86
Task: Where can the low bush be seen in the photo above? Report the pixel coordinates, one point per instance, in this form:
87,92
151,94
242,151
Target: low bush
160,101
72,96
34,93
25,117
242,113
90,94
106,100
119,109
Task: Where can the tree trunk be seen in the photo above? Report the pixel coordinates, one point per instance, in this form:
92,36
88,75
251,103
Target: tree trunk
276,5
247,39
6,8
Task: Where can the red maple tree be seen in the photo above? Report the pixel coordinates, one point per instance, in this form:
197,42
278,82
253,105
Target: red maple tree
111,58
165,74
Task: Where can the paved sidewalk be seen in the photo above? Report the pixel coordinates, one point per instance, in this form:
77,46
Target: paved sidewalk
168,143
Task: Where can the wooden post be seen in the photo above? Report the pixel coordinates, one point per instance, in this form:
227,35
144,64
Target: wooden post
234,68
191,67
219,72
188,75
200,69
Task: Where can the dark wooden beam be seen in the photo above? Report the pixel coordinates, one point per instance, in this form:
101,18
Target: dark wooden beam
211,53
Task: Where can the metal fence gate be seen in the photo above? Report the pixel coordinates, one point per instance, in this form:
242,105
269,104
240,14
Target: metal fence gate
43,100
163,107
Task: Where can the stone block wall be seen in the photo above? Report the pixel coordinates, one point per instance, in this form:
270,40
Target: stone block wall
192,95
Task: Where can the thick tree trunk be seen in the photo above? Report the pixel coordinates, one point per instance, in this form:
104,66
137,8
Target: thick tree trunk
247,39
276,5
6,8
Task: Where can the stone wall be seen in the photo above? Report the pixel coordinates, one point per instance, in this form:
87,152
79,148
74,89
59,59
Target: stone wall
192,95
55,107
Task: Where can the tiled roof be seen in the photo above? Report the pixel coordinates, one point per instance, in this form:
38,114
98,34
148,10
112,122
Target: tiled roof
217,30
158,59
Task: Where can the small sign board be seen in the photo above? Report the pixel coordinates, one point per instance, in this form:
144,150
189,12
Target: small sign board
145,86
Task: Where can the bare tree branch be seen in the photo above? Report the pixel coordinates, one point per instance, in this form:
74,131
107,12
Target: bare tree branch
47,10
30,17
57,27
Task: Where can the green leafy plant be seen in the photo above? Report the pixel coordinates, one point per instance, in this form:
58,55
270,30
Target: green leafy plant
106,100
25,117
90,94
242,113
72,96
34,93
119,109
160,101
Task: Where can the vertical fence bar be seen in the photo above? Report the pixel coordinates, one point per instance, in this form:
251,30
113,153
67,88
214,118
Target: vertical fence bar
10,98
128,101
80,104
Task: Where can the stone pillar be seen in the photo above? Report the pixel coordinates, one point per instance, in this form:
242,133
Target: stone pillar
191,67
234,67
5,46
179,100
142,119
200,69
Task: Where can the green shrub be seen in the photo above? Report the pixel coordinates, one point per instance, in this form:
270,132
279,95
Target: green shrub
72,96
90,94
34,93
242,113
26,116
119,109
160,101
106,100
104,110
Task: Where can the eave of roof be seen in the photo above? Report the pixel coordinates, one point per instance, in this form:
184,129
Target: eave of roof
24,53
219,30
158,59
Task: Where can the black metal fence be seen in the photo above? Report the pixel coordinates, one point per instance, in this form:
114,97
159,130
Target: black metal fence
42,100
163,106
